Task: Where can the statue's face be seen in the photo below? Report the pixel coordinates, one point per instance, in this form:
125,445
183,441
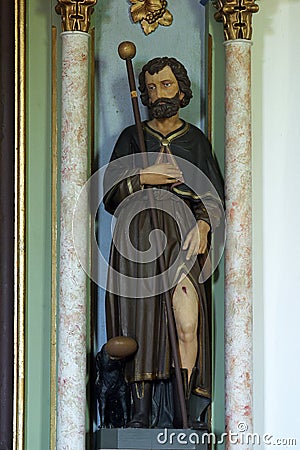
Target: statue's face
162,85
163,92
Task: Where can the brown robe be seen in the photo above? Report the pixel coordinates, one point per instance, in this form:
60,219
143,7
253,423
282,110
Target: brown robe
144,319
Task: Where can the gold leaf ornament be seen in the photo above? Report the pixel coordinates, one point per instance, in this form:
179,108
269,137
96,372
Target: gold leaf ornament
147,27
138,10
150,13
166,19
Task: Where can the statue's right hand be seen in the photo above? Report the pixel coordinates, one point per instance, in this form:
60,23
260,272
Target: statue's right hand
164,173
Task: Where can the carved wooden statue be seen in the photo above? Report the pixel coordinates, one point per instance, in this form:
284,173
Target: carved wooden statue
187,218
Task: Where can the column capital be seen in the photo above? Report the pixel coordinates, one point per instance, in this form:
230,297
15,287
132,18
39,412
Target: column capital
236,16
75,14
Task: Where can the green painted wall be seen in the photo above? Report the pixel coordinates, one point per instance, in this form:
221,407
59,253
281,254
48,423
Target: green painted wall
38,141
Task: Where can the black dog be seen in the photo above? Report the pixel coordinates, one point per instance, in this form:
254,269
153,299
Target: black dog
112,391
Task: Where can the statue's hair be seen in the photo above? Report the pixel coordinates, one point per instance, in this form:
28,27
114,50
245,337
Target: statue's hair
178,69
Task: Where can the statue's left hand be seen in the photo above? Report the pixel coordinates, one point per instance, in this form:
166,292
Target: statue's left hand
196,240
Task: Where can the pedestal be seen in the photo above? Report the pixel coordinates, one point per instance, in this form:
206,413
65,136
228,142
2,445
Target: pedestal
155,438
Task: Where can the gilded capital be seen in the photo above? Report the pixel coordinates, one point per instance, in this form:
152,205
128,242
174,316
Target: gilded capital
75,14
236,16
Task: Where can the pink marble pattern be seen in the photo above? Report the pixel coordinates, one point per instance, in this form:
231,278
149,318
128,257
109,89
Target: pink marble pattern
71,396
238,253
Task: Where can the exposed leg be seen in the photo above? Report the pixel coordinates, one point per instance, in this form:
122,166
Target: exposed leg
186,307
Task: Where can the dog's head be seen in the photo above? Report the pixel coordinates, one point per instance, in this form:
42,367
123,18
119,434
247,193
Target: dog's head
106,363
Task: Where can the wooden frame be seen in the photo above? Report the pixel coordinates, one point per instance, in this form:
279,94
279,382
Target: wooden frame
20,225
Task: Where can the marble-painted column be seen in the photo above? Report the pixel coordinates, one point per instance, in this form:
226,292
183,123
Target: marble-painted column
238,252
236,16
71,396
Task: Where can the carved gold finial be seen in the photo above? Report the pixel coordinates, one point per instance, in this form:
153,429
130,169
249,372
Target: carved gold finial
236,16
150,13
75,14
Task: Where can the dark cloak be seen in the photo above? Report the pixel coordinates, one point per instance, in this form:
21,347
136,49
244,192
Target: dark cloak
144,319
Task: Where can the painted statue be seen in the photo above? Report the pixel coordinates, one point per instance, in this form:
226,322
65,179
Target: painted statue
139,312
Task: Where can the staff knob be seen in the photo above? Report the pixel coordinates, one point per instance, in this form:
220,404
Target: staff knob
127,50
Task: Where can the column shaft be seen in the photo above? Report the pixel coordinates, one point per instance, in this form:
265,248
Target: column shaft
238,254
71,401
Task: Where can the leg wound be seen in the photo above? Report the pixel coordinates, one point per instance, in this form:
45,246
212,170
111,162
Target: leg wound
184,289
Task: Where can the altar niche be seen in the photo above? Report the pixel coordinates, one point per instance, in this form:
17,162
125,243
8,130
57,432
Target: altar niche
113,114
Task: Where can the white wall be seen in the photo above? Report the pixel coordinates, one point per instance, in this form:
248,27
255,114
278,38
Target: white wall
276,209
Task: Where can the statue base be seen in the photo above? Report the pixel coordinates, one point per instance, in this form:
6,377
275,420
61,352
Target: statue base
152,438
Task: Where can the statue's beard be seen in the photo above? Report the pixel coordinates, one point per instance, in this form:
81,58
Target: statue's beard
163,108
